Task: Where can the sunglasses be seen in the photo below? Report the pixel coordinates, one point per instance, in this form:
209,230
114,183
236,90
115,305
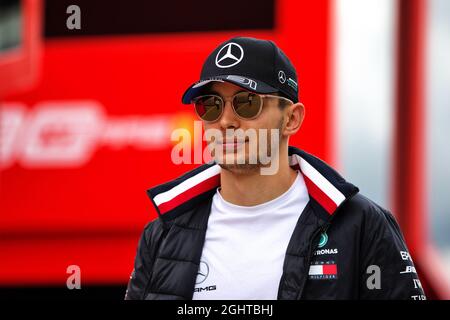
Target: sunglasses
246,105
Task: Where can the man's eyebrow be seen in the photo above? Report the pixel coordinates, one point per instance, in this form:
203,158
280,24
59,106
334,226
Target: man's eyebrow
212,92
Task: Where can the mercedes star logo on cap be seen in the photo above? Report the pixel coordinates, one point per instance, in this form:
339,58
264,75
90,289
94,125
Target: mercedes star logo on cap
230,55
281,76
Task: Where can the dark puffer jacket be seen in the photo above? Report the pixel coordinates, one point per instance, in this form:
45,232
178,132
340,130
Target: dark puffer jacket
344,246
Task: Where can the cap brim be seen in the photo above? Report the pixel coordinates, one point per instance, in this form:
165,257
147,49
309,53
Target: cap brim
244,82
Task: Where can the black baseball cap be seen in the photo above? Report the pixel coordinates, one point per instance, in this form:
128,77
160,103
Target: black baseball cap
256,65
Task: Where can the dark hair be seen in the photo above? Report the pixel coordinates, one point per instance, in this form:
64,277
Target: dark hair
281,102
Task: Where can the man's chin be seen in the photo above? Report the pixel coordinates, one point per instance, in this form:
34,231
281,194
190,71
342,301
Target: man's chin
241,168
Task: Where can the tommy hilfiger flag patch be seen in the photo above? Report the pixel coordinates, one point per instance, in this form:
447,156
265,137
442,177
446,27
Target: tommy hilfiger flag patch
323,270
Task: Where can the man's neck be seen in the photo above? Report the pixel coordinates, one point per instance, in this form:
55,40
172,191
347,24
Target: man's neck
253,188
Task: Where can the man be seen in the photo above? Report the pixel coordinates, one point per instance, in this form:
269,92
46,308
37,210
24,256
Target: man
287,228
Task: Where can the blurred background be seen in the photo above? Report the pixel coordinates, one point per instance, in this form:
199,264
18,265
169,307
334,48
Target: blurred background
86,116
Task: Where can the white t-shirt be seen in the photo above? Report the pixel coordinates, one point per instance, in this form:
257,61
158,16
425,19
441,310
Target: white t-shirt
245,246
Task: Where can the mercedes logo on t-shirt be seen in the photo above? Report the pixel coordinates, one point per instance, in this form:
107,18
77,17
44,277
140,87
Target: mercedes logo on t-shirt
203,271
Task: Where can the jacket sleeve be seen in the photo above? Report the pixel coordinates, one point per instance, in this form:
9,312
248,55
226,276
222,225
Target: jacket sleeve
388,270
143,264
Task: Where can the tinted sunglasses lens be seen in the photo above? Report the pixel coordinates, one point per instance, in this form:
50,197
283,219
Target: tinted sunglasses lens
247,105
208,108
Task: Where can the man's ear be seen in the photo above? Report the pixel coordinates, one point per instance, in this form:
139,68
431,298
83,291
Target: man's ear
294,115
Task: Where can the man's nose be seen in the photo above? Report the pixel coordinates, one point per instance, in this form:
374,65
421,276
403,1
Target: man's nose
229,118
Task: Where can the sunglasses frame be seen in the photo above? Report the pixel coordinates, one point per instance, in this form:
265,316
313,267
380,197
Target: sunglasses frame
232,105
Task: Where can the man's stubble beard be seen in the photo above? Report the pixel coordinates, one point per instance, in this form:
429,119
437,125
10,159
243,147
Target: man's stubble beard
253,168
